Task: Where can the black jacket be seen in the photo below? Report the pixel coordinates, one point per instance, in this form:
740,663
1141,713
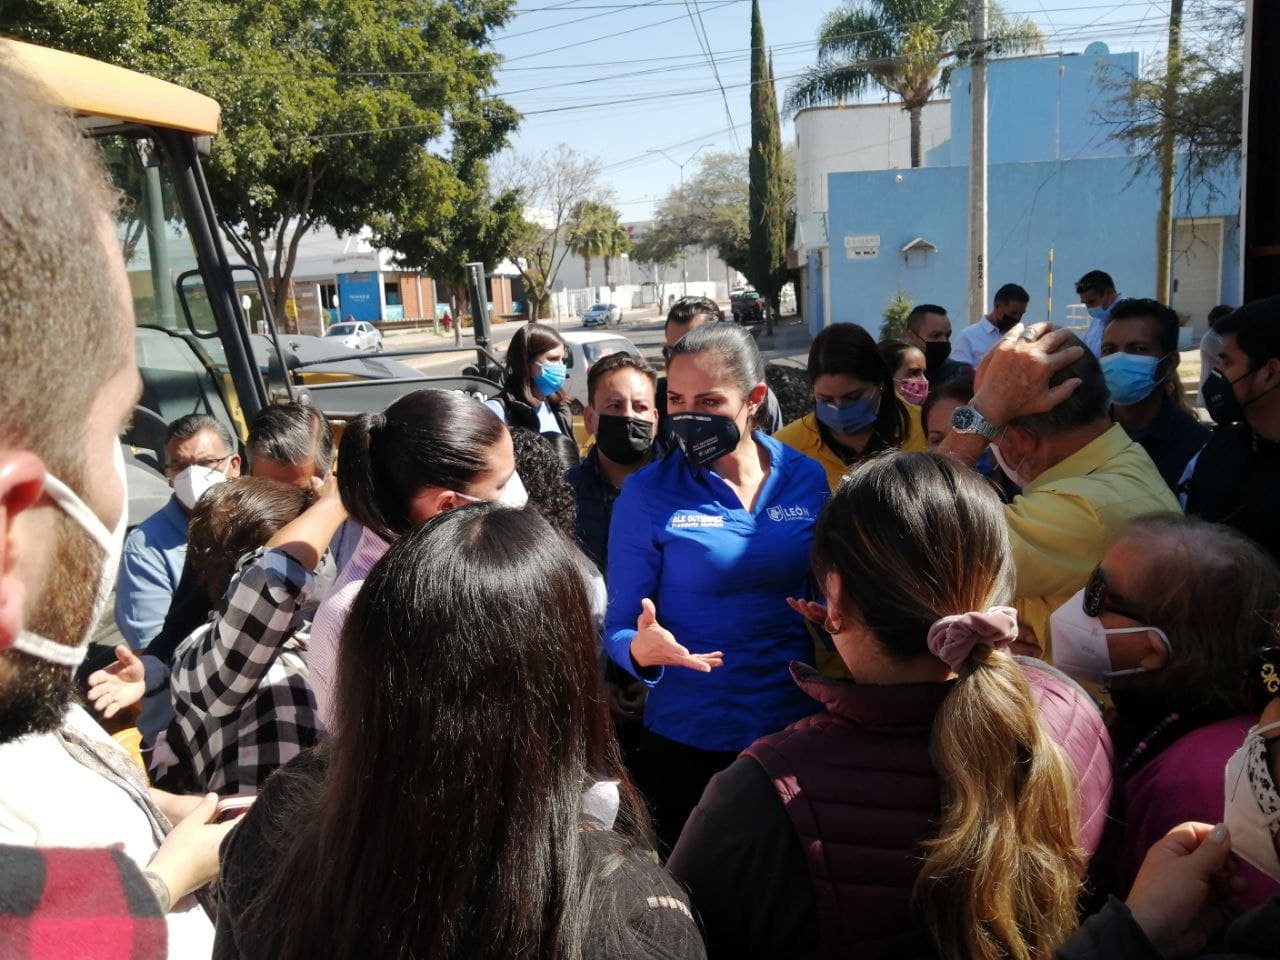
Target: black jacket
1113,934
1234,482
1171,440
521,414
595,496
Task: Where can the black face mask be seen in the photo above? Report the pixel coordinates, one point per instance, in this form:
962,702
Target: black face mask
705,437
936,353
1005,324
624,440
1220,400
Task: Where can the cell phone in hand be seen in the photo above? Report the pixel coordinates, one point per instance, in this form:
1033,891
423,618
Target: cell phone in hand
1262,679
231,807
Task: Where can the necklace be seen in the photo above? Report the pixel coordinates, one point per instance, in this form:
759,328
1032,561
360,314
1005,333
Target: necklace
1145,743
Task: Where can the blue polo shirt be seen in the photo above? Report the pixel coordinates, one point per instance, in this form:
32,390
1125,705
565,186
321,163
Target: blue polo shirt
719,576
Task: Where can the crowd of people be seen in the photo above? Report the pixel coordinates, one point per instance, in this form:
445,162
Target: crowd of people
976,659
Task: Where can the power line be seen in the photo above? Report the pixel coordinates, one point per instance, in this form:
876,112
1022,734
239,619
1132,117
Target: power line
705,43
566,108
631,99
608,12
610,36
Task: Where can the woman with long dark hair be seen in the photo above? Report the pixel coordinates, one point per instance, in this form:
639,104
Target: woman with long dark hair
856,410
478,809
929,810
430,451
532,396
705,546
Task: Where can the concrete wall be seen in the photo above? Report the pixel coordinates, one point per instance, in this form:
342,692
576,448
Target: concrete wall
1092,212
1041,108
864,136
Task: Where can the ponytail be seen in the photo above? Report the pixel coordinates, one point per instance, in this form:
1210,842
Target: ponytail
1001,878
428,438
356,483
917,542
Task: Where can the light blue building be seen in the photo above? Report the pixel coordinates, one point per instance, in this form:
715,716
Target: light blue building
1057,182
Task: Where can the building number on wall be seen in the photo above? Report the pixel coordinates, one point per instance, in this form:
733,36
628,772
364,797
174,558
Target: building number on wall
863,246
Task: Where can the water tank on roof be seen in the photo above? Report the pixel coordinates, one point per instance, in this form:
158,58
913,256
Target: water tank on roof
1097,49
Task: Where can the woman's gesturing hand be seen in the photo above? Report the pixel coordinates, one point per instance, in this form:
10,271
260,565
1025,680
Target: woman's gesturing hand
655,646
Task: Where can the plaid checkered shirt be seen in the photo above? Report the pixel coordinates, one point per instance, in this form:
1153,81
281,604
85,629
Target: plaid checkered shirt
65,904
242,704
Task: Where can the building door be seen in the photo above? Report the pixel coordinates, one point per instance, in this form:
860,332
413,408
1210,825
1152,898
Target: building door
1197,271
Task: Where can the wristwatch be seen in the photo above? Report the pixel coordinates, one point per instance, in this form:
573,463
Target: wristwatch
967,419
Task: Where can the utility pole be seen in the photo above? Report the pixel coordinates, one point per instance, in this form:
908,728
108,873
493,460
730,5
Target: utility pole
978,162
684,251
1168,143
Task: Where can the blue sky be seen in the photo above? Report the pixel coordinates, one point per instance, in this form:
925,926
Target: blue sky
612,79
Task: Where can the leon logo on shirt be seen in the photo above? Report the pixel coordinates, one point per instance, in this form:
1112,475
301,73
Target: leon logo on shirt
779,514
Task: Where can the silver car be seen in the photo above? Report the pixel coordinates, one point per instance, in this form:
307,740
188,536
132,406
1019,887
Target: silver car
582,350
602,314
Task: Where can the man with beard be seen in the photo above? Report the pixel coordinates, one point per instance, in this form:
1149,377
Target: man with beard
69,386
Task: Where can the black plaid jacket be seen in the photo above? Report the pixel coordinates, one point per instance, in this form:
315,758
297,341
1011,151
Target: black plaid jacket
242,704
76,904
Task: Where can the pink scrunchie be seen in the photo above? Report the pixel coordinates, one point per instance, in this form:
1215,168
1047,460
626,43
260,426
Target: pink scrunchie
953,638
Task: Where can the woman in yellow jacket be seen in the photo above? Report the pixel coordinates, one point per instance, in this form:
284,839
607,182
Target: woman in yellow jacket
856,410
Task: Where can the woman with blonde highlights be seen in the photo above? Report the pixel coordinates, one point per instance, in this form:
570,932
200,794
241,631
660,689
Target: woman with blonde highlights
946,801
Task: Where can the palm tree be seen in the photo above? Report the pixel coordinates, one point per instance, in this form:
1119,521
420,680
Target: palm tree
907,48
590,220
615,241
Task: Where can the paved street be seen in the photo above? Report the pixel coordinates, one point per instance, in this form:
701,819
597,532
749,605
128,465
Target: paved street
641,327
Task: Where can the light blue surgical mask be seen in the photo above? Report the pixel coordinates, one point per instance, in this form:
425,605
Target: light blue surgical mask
850,417
1130,377
550,378
1098,313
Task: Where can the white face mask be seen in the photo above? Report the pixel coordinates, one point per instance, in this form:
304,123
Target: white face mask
513,494
110,542
192,483
1016,478
1080,643
1251,808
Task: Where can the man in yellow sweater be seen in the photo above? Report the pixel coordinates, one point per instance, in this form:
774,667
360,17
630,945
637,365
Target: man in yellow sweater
1042,405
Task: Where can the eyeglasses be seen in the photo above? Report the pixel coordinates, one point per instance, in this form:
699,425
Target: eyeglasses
1097,597
209,463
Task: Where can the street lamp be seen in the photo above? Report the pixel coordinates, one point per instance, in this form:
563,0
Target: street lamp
684,259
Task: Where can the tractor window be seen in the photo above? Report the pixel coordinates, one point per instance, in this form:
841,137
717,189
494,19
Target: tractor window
153,234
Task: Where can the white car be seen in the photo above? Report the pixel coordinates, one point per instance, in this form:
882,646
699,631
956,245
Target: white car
582,351
602,314
357,334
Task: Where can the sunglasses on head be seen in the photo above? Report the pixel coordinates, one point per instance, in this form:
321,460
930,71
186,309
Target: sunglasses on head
1097,597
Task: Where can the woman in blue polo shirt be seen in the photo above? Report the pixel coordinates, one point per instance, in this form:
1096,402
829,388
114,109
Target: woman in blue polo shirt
705,546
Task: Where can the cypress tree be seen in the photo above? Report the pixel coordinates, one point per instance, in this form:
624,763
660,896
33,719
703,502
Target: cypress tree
766,205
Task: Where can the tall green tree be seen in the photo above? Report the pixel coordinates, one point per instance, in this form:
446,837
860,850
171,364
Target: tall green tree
589,225
552,186
615,243
339,112
907,48
712,210
656,250
767,191
1204,115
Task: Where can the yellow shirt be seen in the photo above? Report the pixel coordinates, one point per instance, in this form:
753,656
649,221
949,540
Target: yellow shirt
802,435
1066,519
